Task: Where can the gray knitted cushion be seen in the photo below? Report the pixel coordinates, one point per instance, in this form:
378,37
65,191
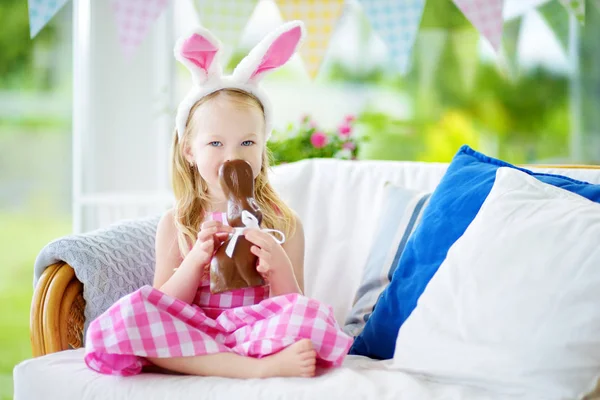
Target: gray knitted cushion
110,262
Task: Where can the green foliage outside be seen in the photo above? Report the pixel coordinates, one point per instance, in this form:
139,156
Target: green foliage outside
523,117
21,237
24,233
17,50
496,117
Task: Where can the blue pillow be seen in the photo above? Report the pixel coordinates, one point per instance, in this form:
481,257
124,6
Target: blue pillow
453,205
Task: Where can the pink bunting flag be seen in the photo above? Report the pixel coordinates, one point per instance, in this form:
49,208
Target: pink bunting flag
486,16
134,19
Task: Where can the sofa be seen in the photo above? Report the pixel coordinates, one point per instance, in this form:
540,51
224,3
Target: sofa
351,228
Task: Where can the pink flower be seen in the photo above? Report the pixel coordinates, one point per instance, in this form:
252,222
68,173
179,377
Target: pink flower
349,146
345,129
313,124
349,118
318,139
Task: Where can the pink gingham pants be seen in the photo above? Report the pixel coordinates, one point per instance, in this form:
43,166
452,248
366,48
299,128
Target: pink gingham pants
148,323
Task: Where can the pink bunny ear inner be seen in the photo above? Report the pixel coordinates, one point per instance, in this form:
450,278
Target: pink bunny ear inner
200,51
280,51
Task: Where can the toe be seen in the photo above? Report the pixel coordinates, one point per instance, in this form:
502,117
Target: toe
309,362
308,371
309,354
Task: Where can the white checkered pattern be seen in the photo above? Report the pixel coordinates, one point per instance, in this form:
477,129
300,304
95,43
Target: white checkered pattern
486,16
576,7
40,12
226,19
134,19
319,17
397,23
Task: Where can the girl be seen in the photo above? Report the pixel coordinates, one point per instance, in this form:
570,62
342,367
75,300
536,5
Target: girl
178,324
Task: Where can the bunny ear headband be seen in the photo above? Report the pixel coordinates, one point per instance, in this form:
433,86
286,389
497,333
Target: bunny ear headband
199,50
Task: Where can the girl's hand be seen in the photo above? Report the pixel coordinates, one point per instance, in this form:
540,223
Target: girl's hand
273,262
210,236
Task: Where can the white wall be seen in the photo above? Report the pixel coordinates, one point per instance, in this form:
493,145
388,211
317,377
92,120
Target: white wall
120,124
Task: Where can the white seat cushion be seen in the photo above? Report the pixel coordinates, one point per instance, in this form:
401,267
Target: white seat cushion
64,376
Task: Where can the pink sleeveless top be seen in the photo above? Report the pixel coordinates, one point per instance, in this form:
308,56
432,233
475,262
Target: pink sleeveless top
214,304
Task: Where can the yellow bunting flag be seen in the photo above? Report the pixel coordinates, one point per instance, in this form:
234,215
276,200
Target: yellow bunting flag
319,17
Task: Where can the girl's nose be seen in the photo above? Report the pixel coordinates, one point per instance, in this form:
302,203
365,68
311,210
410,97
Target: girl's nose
232,155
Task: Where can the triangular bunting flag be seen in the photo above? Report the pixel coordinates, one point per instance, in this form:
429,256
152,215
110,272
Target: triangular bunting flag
510,44
557,19
226,19
464,43
397,23
41,12
134,19
486,16
575,7
320,17
430,45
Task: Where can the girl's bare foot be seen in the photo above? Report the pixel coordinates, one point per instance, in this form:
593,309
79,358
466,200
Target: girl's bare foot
299,359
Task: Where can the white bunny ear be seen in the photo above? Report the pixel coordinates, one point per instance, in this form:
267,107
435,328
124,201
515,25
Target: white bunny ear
198,51
271,53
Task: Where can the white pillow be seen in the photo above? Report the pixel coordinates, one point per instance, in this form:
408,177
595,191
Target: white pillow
515,306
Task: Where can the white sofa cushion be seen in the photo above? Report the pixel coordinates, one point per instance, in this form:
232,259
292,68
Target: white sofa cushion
64,376
514,306
339,203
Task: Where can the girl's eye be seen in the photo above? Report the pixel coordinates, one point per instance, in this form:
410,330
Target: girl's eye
216,144
247,143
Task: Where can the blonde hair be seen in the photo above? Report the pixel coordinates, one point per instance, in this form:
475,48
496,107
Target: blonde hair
191,190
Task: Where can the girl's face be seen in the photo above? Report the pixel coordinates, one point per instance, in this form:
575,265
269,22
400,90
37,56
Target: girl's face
225,130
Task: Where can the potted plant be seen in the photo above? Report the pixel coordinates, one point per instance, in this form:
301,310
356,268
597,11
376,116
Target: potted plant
307,140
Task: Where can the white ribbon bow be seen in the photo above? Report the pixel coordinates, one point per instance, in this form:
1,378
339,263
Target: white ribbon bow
249,221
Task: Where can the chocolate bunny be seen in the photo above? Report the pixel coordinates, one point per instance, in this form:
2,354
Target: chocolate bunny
233,266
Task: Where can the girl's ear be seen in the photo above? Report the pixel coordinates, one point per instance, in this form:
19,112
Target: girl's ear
186,151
